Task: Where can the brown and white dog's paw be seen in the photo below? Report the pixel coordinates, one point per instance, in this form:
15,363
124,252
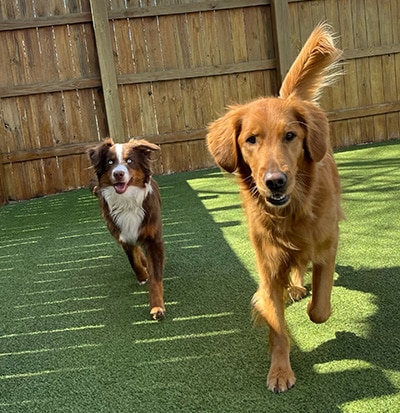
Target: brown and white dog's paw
158,313
142,276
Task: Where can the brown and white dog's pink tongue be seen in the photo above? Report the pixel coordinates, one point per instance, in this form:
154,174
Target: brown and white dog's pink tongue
120,187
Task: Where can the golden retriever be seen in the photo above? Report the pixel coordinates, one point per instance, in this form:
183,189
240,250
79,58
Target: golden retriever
280,150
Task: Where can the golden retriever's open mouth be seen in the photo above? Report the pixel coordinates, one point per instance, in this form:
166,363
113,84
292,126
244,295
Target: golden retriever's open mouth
278,199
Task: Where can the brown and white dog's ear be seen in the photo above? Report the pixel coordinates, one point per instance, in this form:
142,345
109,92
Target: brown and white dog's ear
222,139
144,146
315,123
143,150
97,153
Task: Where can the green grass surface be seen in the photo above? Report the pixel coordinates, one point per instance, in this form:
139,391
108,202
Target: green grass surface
75,333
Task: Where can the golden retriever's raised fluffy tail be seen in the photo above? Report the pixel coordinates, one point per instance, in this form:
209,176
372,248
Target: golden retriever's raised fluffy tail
315,67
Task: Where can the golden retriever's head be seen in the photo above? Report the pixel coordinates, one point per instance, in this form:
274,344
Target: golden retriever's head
270,142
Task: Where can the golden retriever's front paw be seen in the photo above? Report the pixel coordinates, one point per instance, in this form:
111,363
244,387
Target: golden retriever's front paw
158,313
297,292
318,314
279,381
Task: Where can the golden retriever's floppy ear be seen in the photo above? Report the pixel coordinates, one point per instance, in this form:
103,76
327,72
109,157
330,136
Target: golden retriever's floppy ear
222,139
315,122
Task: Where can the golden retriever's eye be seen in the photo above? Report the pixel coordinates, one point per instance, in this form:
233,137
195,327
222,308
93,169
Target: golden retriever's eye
251,140
290,136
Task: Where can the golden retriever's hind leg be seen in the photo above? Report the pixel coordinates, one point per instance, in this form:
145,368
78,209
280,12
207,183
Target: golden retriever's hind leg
296,289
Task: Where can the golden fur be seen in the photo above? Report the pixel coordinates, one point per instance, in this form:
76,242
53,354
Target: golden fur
279,148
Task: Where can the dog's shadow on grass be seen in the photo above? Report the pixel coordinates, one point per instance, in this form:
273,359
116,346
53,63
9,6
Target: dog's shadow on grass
381,347
352,366
339,371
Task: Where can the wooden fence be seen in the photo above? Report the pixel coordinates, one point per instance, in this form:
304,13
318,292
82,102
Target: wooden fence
75,71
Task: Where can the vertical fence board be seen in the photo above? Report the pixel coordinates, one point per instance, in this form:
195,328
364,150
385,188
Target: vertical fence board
375,67
284,55
3,189
107,69
395,18
387,38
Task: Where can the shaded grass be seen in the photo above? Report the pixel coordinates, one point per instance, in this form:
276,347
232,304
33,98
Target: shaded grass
76,336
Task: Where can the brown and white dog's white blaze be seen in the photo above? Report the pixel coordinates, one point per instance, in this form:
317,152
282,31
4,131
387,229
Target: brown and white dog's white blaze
131,205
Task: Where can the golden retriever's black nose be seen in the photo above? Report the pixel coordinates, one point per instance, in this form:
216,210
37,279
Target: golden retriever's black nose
275,181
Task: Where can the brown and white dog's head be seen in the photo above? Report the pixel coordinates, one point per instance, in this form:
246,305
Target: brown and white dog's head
270,142
122,165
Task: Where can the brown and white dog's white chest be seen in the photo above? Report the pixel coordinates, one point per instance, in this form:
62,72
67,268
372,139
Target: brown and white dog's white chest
124,183
126,210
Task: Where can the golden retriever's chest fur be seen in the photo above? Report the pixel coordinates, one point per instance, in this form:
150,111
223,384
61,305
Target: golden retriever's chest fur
292,233
300,231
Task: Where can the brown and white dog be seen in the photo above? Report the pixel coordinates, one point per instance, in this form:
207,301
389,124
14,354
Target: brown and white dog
131,205
279,148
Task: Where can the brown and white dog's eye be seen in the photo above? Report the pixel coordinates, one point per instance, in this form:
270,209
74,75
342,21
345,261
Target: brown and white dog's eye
129,161
110,161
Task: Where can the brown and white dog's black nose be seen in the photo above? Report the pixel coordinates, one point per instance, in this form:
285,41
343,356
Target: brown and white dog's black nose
119,175
275,181
120,179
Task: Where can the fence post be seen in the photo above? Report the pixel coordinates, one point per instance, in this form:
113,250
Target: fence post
3,189
107,69
283,46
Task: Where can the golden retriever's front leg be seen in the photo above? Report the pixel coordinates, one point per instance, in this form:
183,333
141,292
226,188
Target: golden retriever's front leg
269,302
319,308
296,289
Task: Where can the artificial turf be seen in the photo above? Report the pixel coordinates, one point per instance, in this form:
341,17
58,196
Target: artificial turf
75,331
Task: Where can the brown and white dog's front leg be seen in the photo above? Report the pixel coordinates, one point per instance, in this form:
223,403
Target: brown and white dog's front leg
155,261
138,261
269,301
